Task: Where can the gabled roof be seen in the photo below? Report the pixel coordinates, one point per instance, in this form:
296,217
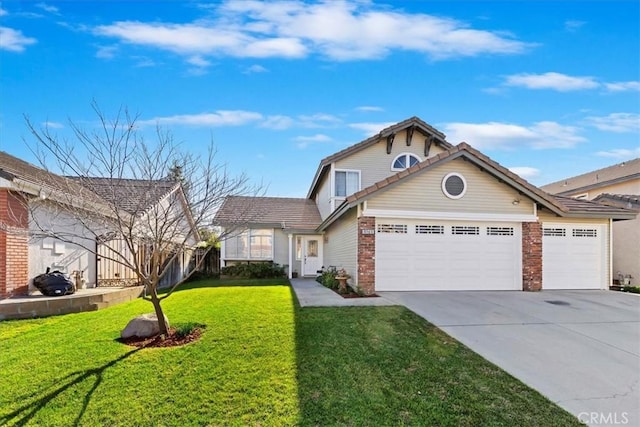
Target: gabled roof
414,123
620,172
561,206
32,179
276,212
630,201
133,196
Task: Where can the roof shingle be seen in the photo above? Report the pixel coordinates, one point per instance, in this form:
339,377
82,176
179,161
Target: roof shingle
288,213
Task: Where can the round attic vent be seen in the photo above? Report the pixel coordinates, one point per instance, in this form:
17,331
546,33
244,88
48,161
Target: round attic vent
454,185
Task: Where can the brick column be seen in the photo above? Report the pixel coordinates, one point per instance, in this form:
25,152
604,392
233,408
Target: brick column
366,254
531,256
14,245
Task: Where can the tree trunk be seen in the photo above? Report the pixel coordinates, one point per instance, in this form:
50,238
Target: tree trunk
164,330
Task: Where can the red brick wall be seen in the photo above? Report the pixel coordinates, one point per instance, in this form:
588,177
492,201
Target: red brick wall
14,247
531,256
366,255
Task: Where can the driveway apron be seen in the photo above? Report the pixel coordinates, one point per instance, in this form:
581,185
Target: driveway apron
581,349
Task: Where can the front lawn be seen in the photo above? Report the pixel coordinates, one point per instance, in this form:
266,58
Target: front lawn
261,361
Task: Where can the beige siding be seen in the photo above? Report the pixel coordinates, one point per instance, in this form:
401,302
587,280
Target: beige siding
626,249
548,217
340,247
323,197
280,247
629,187
423,192
374,163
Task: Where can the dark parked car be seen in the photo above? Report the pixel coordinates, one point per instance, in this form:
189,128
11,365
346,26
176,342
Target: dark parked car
53,284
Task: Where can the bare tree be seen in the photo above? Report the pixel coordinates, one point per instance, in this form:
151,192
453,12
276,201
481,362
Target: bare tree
138,204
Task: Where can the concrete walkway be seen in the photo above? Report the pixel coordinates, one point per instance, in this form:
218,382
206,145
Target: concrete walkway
312,294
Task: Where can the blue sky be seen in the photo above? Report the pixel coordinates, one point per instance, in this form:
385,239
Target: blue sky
548,89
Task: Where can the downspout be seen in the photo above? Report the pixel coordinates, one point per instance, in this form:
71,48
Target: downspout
290,272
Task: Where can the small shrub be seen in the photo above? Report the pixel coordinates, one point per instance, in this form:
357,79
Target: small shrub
631,289
328,278
256,270
184,329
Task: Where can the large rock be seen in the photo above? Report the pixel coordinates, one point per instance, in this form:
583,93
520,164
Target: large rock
143,326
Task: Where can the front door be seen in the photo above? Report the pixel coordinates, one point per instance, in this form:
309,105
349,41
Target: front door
311,255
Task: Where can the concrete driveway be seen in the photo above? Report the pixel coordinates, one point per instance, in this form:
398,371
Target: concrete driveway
581,349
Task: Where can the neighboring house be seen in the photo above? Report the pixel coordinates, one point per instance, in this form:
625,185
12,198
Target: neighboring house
406,210
32,199
617,185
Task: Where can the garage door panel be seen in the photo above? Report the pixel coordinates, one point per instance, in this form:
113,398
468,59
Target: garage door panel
573,256
448,261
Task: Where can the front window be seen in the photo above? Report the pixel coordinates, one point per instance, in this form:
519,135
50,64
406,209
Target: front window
347,183
250,244
404,161
298,247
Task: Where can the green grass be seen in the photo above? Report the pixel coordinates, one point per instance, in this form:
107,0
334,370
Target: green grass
261,361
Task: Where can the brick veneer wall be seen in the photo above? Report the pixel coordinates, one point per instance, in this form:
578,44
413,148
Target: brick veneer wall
366,255
14,245
531,256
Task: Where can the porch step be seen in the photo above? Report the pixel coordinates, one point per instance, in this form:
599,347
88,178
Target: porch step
39,306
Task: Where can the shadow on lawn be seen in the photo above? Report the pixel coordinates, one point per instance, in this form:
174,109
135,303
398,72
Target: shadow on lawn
22,415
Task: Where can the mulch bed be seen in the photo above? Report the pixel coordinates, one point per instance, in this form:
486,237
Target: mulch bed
173,340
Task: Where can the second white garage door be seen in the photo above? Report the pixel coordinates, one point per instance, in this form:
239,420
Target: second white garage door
432,255
573,256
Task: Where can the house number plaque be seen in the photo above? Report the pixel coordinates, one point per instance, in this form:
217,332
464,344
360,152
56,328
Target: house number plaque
367,231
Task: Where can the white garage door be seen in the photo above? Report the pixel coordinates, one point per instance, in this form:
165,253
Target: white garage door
432,255
573,256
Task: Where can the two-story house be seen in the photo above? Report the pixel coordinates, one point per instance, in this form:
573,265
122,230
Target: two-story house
617,185
406,210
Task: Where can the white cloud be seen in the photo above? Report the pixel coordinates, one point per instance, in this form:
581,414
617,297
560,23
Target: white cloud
573,25
53,125
277,122
13,40
3,12
198,61
318,120
616,122
525,172
255,68
369,108
106,52
218,119
551,80
623,86
370,129
305,141
620,153
338,30
496,135
47,8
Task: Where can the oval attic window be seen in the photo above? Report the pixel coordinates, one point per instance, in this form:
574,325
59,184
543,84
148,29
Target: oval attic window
454,185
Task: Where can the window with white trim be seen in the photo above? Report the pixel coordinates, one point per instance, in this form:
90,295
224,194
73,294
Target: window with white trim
404,161
346,183
250,244
454,185
585,232
465,230
392,228
554,232
298,247
429,229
